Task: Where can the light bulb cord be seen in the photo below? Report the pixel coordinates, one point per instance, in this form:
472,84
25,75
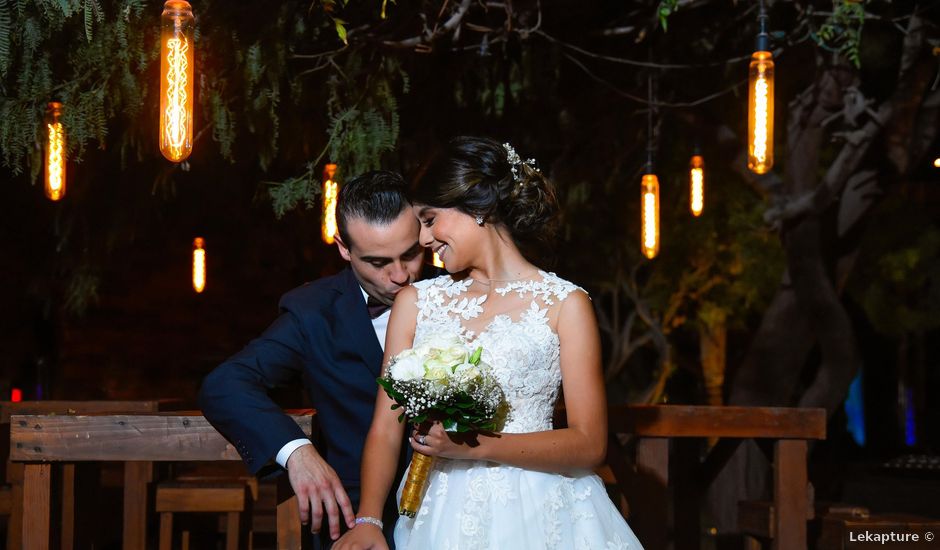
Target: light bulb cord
762,44
650,147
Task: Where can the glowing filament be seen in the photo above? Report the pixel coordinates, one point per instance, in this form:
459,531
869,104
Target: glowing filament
330,192
175,117
760,120
649,219
55,154
697,185
761,113
436,260
176,80
199,265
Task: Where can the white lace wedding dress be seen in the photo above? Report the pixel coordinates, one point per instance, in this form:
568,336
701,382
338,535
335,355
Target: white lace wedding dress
472,505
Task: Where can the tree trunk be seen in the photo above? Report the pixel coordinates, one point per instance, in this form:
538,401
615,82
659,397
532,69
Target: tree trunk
713,338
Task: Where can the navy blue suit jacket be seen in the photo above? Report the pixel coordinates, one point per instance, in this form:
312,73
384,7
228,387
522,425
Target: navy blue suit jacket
323,336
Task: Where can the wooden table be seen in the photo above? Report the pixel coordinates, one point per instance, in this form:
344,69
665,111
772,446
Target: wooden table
136,440
789,429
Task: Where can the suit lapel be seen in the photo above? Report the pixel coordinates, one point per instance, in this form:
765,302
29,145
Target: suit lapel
354,323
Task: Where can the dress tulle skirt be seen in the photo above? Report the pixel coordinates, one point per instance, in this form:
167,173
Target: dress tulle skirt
484,506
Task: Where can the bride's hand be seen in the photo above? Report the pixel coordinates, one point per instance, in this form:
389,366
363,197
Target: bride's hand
437,442
362,537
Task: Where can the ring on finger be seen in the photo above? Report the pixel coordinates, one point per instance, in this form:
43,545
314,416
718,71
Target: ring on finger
422,439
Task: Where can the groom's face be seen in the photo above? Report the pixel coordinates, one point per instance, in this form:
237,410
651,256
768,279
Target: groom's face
385,258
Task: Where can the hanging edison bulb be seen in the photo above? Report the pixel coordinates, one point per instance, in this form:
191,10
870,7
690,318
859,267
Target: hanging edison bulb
436,260
55,152
199,264
760,134
760,103
177,29
649,204
330,192
696,185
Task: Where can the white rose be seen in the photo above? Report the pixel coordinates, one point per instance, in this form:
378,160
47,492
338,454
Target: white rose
443,341
407,366
436,373
466,371
445,358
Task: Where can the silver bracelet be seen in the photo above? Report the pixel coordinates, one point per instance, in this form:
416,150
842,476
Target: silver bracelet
371,521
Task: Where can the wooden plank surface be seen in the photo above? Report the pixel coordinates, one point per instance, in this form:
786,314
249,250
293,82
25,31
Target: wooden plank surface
67,528
230,498
76,407
290,533
163,437
790,495
704,421
36,516
137,475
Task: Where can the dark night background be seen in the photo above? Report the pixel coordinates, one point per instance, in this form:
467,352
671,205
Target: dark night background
97,302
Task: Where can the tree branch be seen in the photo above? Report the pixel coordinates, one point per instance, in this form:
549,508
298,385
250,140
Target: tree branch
428,38
850,156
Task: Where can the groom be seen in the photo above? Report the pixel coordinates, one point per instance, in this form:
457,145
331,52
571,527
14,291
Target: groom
330,334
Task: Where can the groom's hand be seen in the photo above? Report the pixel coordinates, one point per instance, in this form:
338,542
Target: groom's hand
317,488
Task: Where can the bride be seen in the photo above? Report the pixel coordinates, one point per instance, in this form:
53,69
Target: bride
529,486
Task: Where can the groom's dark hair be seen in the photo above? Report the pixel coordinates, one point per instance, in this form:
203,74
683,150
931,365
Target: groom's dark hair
378,197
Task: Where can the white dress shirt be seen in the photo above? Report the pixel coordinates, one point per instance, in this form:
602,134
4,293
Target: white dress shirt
380,325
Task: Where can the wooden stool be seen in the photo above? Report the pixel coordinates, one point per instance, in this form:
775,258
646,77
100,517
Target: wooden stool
231,499
756,520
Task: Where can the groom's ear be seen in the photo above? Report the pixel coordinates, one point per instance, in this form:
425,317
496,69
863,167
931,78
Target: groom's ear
343,249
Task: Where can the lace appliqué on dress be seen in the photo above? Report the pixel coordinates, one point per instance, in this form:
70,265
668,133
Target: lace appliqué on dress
472,505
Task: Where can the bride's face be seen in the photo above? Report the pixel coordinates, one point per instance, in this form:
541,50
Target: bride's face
453,235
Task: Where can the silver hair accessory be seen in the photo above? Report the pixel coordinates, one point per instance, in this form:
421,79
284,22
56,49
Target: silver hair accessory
516,162
479,220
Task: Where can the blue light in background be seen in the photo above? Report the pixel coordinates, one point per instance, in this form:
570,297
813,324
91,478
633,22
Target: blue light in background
855,410
910,431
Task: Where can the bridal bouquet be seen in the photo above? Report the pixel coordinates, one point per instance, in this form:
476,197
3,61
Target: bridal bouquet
441,380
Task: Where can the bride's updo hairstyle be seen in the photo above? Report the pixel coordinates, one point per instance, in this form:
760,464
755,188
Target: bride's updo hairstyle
482,177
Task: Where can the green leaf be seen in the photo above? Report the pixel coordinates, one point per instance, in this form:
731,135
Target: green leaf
341,30
6,27
88,19
475,356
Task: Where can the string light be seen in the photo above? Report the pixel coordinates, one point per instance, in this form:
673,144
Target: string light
199,264
177,30
936,162
696,185
328,226
760,104
436,260
55,153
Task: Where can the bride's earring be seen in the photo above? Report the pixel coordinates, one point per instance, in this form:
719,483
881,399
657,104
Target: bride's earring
479,220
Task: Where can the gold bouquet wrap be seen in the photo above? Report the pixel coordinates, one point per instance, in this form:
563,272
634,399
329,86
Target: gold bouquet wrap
413,491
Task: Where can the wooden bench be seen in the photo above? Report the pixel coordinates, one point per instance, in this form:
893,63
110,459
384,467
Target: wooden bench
12,502
136,440
232,498
647,482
